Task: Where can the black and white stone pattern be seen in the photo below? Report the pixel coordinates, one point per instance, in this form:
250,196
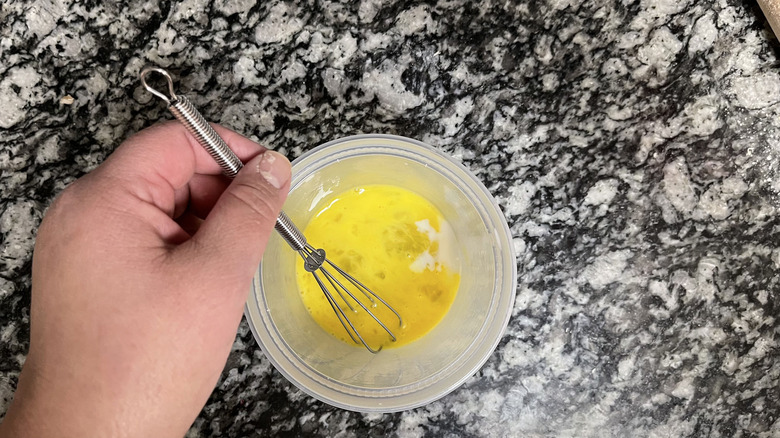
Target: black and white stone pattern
633,145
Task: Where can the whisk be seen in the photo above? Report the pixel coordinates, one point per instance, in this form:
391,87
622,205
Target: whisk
314,259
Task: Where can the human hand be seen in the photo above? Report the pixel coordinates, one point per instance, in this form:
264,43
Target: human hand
136,299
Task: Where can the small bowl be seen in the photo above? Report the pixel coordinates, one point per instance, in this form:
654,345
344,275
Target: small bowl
425,370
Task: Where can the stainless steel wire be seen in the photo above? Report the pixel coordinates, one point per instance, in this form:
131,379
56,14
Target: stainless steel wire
315,259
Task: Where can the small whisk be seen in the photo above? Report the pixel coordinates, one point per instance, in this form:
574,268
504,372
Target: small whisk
314,259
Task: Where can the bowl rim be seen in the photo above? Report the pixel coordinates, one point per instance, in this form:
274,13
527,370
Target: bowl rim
393,402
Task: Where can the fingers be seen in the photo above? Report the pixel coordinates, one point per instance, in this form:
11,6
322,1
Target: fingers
162,159
190,223
204,191
234,235
199,195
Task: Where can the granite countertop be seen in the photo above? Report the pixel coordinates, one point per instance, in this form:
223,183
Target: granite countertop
633,146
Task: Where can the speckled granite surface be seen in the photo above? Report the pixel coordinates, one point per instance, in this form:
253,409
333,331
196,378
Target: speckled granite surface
633,145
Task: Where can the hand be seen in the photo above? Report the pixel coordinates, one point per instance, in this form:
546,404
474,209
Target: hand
136,299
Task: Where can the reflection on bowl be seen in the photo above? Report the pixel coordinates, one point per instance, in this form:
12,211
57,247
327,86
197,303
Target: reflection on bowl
412,375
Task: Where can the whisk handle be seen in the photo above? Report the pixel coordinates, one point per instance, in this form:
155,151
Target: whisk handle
289,232
183,110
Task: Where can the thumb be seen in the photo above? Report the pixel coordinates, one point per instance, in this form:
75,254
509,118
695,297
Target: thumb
234,235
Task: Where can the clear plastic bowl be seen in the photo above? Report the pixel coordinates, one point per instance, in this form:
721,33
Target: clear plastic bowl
418,373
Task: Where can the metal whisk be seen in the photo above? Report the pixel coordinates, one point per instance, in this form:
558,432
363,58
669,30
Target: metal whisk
314,259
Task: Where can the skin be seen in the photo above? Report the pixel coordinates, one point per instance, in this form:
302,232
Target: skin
140,273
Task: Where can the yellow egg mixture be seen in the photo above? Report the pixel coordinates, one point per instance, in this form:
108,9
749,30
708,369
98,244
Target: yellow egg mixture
398,245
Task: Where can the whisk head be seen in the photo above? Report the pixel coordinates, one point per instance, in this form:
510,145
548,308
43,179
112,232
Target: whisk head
316,262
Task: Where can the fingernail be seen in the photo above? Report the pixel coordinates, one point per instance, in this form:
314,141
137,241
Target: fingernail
274,168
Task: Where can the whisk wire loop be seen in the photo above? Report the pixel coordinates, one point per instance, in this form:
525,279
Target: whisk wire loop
338,285
338,311
367,292
336,288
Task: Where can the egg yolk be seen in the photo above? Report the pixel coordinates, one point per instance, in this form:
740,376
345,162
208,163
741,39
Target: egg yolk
398,245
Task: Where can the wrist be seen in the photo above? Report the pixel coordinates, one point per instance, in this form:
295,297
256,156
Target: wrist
41,409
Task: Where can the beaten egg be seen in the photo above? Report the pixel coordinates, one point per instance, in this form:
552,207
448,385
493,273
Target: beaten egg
396,243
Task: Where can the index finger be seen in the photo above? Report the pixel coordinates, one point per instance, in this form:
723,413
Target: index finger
158,160
169,150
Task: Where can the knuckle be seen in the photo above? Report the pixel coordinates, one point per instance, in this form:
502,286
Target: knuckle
64,201
69,194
